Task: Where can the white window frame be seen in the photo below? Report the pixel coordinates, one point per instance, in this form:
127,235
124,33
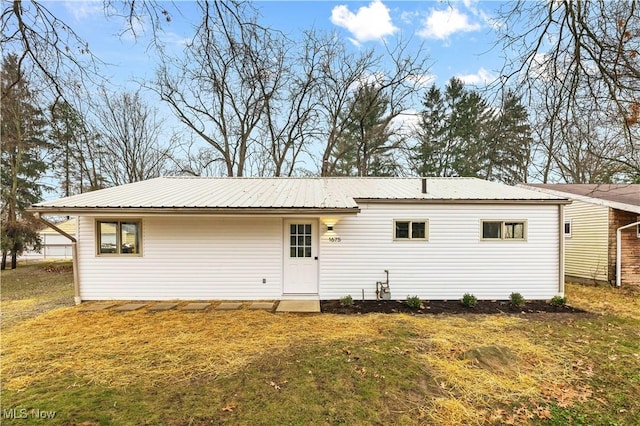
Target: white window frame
570,223
503,222
411,222
118,231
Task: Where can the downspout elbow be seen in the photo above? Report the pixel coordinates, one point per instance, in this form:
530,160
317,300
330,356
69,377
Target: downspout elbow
74,254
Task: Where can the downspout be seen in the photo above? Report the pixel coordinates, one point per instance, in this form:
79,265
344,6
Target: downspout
561,249
619,250
74,255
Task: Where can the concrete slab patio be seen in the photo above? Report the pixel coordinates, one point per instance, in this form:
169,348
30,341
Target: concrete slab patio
268,306
159,307
195,306
305,306
128,307
228,306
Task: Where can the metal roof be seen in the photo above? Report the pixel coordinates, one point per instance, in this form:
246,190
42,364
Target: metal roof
295,194
619,196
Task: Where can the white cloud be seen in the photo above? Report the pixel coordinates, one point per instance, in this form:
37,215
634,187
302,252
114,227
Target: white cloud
83,9
423,80
406,122
482,77
440,24
371,22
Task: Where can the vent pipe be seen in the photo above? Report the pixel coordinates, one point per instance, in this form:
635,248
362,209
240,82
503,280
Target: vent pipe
424,185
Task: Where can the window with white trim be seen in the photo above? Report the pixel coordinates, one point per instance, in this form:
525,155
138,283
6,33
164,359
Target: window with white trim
567,228
406,230
119,237
508,230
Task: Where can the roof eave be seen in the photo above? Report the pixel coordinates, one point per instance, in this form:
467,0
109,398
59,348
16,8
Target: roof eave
286,211
460,201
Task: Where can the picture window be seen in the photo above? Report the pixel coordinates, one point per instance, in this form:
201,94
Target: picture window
119,237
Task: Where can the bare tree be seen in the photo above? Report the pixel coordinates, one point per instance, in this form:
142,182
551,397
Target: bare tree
132,135
58,56
396,76
218,89
586,54
290,121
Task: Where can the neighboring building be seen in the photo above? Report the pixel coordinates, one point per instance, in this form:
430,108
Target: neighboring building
591,221
54,245
279,238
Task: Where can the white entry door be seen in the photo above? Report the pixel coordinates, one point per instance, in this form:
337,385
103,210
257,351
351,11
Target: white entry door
300,256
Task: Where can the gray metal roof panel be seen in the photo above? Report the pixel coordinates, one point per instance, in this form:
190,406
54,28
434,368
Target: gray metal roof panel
302,193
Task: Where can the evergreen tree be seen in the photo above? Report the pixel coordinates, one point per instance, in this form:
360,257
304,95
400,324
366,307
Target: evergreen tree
511,151
431,158
21,163
460,135
452,132
76,151
365,147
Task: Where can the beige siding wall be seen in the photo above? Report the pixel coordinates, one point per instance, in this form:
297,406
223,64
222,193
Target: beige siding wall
454,260
586,249
187,258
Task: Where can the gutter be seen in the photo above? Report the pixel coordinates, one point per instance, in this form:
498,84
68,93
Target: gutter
249,211
74,255
619,250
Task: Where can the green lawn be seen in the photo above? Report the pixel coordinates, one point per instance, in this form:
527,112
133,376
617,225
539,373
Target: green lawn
247,367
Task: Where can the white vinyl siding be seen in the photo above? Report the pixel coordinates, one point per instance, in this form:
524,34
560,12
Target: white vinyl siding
187,258
586,250
226,258
454,262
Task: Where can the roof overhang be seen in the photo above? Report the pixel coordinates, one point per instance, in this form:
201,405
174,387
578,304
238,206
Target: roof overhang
460,201
222,211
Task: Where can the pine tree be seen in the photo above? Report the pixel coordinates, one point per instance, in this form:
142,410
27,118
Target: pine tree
76,151
461,135
452,132
431,153
511,151
21,163
365,147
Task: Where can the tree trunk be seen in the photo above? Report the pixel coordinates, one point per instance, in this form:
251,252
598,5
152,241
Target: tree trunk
3,265
14,260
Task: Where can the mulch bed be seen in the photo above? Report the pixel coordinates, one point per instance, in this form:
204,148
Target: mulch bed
444,307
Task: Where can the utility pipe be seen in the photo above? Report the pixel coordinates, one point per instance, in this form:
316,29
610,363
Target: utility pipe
74,255
619,250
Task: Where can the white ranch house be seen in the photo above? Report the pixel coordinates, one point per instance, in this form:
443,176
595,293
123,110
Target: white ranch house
179,238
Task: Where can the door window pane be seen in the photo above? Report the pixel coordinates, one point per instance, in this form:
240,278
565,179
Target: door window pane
300,240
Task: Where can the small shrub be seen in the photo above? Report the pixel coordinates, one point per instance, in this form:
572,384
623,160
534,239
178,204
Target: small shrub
558,301
516,299
469,300
414,302
346,300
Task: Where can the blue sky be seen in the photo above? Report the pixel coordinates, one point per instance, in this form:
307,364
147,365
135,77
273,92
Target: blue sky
458,36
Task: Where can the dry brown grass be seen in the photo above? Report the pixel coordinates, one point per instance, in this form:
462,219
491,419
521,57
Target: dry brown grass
121,349
604,300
